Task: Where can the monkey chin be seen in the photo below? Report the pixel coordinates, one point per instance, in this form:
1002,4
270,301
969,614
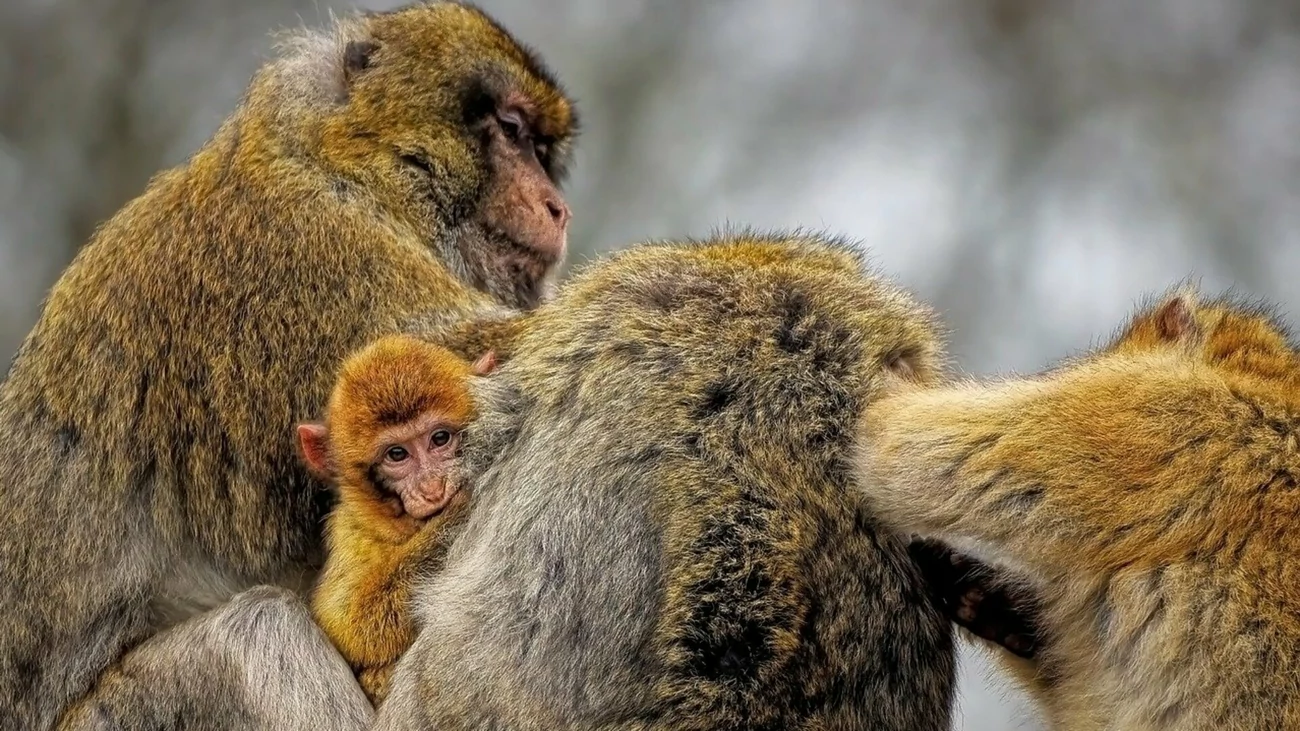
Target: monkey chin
515,273
425,503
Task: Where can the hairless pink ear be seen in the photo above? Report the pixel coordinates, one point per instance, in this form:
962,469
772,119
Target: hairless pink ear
485,364
313,446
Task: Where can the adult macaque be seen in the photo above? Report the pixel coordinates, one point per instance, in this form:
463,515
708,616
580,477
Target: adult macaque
395,165
663,530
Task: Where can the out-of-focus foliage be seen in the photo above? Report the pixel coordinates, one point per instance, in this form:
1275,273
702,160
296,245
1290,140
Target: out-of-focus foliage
1032,167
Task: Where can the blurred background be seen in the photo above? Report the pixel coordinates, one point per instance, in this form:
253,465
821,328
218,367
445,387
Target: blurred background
1031,167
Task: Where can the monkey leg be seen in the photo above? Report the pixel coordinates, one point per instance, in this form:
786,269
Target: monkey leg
256,662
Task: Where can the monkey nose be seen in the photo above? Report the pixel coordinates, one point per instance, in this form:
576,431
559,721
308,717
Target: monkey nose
558,211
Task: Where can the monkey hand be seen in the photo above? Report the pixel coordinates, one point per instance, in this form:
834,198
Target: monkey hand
430,542
990,604
375,682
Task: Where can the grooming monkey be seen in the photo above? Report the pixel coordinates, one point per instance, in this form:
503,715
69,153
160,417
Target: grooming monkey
388,445
663,533
1149,493
395,165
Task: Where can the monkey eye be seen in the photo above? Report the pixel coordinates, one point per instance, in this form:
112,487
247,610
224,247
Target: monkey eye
511,124
441,438
397,454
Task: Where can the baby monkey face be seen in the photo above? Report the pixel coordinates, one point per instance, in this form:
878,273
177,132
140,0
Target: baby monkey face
415,461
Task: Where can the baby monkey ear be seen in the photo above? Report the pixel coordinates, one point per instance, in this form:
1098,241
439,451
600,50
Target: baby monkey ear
313,447
485,364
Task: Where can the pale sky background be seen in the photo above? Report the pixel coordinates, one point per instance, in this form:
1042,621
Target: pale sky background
1031,167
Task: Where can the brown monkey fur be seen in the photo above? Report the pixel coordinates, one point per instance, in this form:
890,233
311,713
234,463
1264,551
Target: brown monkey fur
663,531
1149,494
374,555
396,165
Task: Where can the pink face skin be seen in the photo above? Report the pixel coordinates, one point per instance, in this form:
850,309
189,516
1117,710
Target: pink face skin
415,463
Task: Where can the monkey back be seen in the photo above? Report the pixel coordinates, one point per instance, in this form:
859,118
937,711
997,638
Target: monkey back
663,532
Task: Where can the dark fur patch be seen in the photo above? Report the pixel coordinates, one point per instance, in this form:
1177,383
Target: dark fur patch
357,56
1281,480
27,674
793,334
993,481
479,97
228,469
718,395
1103,611
628,350
68,439
693,444
1171,714
373,477
950,472
342,189
728,636
397,414
1150,622
659,294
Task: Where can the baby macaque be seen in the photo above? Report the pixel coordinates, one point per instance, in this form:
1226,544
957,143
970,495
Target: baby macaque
388,444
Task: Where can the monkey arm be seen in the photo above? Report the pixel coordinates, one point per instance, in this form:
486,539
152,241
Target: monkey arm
471,339
992,604
495,329
363,598
1078,472
997,608
256,661
359,600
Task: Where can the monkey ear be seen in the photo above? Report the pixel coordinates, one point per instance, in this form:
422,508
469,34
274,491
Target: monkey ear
356,58
314,449
485,364
904,363
1175,321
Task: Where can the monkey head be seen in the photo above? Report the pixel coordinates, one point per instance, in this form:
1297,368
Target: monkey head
392,430
473,151
1230,336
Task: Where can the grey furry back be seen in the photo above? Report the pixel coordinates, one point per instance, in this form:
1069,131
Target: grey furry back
662,534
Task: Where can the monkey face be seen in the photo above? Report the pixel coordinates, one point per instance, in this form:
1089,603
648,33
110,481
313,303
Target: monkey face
415,464
471,155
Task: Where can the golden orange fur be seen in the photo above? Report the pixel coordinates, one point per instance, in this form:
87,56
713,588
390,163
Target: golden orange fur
361,600
1149,493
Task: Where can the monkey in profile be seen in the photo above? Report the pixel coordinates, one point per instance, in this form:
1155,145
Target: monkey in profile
388,444
393,166
1148,492
664,533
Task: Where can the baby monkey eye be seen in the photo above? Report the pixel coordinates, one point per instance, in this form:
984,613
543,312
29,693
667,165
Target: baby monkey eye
441,438
397,454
